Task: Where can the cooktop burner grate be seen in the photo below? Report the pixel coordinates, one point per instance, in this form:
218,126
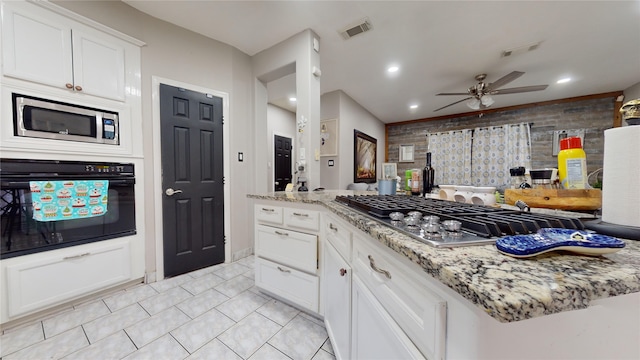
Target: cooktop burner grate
480,224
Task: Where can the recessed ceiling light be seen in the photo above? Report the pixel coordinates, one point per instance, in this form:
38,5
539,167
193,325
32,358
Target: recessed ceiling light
292,99
393,69
563,80
414,106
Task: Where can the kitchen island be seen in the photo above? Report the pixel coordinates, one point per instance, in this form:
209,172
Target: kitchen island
556,298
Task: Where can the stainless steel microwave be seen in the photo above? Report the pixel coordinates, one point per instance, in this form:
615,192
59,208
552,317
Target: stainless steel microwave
41,118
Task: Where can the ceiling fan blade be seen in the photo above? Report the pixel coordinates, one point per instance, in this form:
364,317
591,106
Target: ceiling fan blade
519,89
464,93
505,80
459,101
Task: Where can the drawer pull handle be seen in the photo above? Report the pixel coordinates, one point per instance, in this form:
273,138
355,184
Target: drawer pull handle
268,210
343,272
301,215
332,227
376,269
284,270
75,256
281,233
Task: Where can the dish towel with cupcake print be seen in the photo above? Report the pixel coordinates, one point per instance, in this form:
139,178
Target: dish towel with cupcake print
69,199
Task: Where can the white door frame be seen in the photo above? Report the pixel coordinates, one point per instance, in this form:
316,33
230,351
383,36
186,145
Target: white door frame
157,165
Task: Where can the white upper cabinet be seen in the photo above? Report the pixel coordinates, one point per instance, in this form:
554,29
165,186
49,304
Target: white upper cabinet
47,48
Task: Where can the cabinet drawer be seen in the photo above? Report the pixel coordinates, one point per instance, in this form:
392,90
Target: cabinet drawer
302,219
290,284
54,279
339,236
287,247
420,312
268,214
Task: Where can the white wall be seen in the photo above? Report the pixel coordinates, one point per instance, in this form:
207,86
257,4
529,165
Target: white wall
293,55
351,116
632,92
330,109
174,53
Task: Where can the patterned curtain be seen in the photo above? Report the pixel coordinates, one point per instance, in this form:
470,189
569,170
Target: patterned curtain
451,156
497,149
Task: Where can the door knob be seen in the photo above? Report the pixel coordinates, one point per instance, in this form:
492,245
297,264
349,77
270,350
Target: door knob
171,192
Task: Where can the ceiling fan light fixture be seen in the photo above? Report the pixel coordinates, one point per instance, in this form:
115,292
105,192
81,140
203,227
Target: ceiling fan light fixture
473,103
487,100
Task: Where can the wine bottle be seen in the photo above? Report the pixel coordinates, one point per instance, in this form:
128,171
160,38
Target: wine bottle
427,176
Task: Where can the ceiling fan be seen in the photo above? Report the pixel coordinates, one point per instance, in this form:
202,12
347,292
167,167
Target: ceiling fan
481,92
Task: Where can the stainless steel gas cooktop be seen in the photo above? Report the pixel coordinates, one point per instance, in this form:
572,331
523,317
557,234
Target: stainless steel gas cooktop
434,221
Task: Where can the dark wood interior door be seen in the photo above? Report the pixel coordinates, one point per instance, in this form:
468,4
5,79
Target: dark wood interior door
282,162
192,180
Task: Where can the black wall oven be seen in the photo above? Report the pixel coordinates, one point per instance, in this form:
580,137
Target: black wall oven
48,204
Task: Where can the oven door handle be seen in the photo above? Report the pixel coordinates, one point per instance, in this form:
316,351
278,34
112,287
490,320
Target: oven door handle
25,184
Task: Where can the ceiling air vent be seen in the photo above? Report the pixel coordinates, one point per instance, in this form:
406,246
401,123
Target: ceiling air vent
520,50
353,30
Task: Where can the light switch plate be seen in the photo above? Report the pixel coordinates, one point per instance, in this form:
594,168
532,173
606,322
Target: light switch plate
302,154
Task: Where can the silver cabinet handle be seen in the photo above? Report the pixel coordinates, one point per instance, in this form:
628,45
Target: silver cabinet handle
332,227
301,215
281,233
376,269
76,256
284,270
268,210
171,192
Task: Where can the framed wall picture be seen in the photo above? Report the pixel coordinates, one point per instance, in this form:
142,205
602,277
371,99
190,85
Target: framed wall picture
406,153
389,171
329,137
364,157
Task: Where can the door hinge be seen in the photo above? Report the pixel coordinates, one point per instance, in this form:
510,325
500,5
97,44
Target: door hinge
223,180
222,119
224,239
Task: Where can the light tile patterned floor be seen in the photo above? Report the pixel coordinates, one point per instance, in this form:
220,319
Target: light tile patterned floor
212,313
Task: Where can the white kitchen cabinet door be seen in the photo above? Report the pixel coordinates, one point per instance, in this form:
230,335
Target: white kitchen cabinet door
337,298
98,65
302,219
287,247
268,214
36,45
290,284
54,279
50,49
375,334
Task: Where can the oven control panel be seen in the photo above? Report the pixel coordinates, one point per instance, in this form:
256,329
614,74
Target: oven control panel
114,169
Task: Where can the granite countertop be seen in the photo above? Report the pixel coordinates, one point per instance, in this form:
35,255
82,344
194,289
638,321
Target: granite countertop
506,288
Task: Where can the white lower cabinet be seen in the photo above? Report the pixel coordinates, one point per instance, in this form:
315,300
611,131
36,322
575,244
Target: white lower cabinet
286,257
336,277
421,313
52,280
287,247
288,283
375,334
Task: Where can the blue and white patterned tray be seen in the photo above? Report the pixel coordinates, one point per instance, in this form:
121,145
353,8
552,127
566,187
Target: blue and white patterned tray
550,239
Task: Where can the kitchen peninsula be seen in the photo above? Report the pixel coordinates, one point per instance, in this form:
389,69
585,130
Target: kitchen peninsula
554,305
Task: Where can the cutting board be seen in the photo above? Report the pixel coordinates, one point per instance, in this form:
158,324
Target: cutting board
565,199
